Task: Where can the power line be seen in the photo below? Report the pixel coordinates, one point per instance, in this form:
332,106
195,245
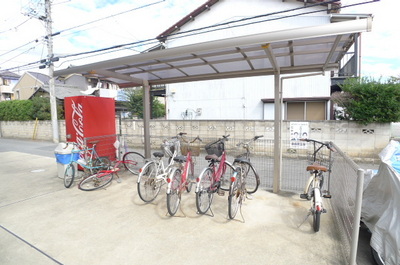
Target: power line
100,19
214,27
211,28
88,23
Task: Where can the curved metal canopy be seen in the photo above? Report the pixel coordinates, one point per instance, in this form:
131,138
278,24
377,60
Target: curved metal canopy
299,50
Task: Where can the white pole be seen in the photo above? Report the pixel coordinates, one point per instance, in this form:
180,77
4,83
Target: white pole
53,103
357,217
277,134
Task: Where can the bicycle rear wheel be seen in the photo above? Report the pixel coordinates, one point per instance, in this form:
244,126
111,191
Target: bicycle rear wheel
316,212
133,162
96,181
148,185
101,163
174,196
204,194
251,177
226,177
69,175
235,195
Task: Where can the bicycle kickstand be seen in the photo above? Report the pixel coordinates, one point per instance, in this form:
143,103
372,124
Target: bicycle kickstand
309,213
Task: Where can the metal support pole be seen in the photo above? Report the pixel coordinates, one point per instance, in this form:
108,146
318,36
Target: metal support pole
357,217
53,102
277,134
146,118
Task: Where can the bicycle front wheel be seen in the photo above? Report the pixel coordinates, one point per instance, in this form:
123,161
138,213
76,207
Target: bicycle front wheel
234,198
69,175
133,162
204,194
174,196
226,177
251,178
96,181
148,185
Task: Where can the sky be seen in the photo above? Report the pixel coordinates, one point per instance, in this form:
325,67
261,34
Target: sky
86,25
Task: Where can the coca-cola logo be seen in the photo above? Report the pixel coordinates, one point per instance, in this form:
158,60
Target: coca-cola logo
77,121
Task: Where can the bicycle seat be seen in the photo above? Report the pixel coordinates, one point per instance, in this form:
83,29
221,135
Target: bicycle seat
94,142
213,157
158,154
241,160
180,159
316,167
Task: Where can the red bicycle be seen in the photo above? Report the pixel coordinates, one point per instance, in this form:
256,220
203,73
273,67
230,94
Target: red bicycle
215,177
182,175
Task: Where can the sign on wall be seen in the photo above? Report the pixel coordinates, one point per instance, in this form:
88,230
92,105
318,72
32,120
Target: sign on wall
298,130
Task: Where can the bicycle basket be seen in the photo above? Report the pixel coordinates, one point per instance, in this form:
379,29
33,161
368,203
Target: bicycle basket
215,149
193,147
320,158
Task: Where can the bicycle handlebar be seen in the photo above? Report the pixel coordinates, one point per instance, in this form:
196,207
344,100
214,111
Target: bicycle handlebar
223,139
327,144
255,138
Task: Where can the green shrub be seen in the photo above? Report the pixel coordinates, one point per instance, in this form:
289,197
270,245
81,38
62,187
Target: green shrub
366,100
16,110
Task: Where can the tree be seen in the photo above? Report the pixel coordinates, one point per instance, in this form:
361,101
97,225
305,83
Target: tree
134,103
366,100
42,111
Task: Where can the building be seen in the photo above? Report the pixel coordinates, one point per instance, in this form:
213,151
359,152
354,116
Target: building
7,83
305,97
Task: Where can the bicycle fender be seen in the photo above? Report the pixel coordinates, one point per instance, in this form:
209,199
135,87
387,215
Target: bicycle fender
198,180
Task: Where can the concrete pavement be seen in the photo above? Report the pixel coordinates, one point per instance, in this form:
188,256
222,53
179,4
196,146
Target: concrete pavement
41,222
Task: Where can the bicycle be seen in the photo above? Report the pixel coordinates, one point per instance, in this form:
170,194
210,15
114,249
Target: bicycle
154,174
89,161
314,184
214,177
133,161
182,175
243,160
104,177
245,180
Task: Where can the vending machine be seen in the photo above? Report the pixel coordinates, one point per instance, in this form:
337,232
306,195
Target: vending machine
89,120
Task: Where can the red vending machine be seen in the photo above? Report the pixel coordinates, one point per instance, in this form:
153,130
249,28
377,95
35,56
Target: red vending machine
91,119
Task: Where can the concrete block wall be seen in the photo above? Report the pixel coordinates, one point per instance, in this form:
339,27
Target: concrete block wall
358,141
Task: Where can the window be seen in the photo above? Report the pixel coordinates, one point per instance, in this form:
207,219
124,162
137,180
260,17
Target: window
313,111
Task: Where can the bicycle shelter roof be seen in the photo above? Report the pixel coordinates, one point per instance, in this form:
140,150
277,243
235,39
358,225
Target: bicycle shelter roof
299,50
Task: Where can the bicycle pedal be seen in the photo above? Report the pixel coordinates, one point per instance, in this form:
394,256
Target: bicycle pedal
221,192
328,196
303,196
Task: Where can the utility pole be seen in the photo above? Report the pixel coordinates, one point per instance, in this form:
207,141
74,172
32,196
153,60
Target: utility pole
53,103
35,12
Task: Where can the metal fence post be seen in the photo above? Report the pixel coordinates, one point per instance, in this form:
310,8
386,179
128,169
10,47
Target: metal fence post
357,217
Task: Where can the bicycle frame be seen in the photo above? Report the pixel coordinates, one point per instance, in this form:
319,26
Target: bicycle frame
162,172
218,171
189,165
89,154
316,180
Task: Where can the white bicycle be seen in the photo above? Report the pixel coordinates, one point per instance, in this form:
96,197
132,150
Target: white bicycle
154,174
314,184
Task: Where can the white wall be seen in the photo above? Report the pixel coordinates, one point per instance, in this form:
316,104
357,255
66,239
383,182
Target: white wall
240,98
